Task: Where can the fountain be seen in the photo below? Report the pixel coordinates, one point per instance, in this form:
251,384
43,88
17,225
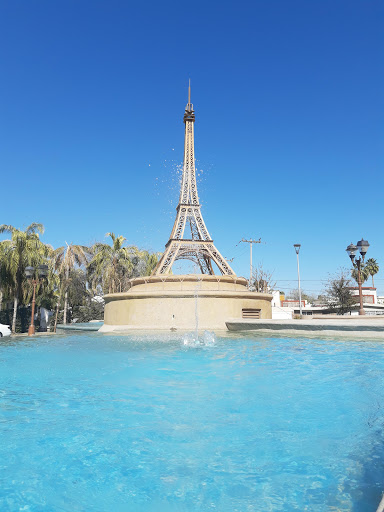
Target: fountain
164,301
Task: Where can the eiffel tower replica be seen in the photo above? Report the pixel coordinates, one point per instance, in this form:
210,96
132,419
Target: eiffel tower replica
199,246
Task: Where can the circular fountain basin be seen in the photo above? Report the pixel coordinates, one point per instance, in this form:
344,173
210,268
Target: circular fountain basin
183,302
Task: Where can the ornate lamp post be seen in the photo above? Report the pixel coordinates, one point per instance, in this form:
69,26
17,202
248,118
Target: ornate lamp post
297,249
30,272
362,247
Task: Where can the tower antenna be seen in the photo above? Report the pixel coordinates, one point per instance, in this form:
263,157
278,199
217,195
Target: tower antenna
189,92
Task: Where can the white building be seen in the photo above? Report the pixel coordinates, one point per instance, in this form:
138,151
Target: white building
288,308
279,312
369,294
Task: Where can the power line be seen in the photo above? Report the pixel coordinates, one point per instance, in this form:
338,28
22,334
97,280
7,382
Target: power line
308,280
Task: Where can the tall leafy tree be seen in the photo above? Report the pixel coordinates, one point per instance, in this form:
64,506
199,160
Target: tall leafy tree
23,249
5,281
111,265
372,267
4,275
66,259
144,262
338,293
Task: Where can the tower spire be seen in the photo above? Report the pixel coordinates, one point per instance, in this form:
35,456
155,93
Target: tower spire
199,246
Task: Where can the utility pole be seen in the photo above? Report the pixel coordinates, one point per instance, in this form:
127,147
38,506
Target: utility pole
297,249
250,242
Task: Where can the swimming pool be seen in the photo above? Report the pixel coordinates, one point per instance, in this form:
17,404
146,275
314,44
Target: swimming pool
132,423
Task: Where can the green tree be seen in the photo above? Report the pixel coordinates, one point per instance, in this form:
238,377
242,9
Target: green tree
337,293
111,265
364,274
77,292
372,268
5,281
144,262
91,310
81,304
47,293
23,249
66,259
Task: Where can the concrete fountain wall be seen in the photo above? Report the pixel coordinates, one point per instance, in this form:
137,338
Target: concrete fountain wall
180,301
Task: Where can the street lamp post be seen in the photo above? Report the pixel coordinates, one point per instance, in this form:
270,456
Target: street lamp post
297,249
30,272
362,247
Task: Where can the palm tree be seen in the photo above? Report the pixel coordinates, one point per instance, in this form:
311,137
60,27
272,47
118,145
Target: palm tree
66,259
372,267
111,265
364,274
4,275
147,262
23,249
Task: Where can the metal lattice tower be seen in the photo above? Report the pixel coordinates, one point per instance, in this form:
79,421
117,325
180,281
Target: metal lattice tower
200,247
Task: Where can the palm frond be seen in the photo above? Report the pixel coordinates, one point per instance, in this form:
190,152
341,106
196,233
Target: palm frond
7,228
35,226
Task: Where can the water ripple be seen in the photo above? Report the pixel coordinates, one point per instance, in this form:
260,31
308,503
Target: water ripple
131,423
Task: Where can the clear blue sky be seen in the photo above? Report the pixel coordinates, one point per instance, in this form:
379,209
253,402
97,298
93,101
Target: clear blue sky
289,115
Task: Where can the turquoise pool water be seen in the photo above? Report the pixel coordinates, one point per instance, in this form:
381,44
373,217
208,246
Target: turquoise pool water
92,422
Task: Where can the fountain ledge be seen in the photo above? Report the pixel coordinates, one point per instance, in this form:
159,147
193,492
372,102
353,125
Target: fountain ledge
348,326
182,302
